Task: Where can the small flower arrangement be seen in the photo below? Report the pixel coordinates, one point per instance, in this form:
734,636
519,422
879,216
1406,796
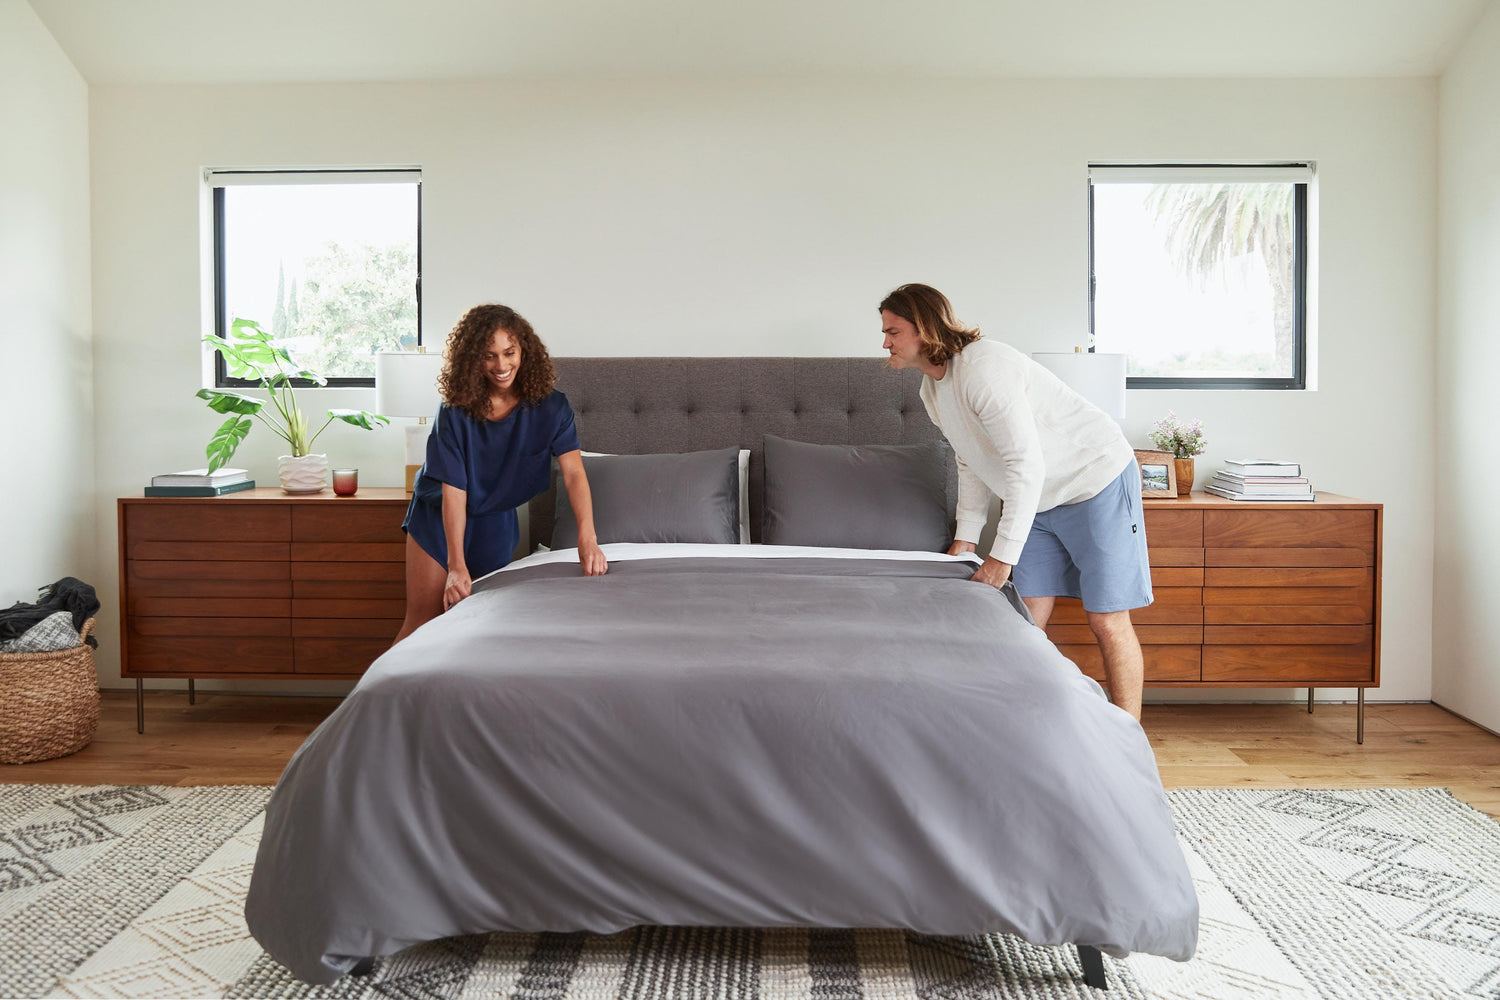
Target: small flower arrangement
1183,440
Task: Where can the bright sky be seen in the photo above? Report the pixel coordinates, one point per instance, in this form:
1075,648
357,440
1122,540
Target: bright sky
265,224
1146,308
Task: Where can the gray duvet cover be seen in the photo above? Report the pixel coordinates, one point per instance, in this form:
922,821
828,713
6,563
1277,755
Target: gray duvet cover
824,741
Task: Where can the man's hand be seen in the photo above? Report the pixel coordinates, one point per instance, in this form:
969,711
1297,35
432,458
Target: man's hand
591,558
958,548
993,572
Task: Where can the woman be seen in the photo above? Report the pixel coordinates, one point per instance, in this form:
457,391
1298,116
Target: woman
498,429
1071,524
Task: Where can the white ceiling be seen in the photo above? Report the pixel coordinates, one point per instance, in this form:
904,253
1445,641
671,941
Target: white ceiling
264,41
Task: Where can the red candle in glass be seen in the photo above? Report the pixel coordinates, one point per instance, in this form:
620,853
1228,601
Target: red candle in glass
345,482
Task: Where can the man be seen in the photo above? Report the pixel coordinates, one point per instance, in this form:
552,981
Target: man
1071,524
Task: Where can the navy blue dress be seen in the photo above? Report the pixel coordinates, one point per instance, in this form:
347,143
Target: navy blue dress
499,464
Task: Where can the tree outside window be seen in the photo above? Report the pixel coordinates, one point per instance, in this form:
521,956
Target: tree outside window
327,263
1198,274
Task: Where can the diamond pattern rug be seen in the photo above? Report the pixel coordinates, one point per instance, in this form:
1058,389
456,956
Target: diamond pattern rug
138,892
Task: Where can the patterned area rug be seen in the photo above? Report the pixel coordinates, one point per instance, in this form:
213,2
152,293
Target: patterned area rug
137,892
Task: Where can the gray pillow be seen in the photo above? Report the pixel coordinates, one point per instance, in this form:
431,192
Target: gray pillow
691,497
856,496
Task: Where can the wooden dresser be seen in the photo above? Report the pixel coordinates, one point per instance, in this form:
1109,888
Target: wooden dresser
259,584
1253,595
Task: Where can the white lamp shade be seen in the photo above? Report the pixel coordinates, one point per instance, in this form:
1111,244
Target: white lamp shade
1098,378
406,383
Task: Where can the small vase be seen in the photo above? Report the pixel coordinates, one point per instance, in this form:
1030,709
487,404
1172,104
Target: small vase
303,474
1184,476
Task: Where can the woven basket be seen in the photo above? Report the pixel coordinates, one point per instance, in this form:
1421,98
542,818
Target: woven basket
49,702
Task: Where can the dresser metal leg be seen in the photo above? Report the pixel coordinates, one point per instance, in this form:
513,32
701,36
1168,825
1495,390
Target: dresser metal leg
1309,700
192,697
1359,727
140,706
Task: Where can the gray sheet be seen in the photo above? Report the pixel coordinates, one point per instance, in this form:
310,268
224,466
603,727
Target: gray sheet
727,742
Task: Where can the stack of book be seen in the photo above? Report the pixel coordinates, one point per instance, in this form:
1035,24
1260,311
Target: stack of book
200,483
1258,479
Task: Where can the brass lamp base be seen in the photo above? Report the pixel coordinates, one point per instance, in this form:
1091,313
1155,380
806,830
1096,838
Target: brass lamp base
411,478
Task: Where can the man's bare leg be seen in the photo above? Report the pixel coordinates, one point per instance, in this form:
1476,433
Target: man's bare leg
1124,666
1040,608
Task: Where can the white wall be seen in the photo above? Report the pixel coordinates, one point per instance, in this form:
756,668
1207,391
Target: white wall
1466,638
766,218
46,364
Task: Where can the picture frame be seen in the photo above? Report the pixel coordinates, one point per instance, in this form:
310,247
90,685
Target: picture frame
1158,473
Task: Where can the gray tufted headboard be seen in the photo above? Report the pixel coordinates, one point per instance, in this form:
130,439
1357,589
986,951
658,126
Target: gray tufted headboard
651,405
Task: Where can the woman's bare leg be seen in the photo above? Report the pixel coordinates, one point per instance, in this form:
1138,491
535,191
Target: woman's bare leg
425,578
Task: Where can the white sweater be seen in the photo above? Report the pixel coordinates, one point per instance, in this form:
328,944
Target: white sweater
1020,433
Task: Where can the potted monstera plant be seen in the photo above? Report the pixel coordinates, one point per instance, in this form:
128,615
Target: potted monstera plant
250,353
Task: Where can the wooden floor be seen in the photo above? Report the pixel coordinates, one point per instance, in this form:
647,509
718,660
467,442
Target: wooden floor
246,739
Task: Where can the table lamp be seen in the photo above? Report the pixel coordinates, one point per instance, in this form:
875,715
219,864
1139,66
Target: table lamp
1098,378
406,386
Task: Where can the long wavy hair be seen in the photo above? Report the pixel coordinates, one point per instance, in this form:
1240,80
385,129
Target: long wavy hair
463,383
929,310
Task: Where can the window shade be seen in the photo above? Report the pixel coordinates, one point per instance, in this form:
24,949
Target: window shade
242,178
1200,173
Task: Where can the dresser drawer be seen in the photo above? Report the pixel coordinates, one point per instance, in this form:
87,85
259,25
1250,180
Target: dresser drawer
1176,576
1149,635
1275,529
1289,614
208,522
394,552
1170,606
209,607
210,588
1170,555
208,551
1174,529
138,570
1285,635
1287,556
1163,663
206,627
393,590
347,608
332,523
206,656
337,656
1360,596
351,628
386,571
1316,664
1294,576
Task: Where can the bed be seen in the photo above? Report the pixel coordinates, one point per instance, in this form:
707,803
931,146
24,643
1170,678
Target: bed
784,734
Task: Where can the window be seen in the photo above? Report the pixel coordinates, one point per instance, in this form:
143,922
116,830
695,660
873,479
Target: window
328,261
1198,274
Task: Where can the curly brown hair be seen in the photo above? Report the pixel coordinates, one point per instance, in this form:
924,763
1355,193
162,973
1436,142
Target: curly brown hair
463,383
929,310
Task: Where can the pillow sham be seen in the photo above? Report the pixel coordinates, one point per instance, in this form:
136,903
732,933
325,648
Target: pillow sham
689,497
744,467
856,496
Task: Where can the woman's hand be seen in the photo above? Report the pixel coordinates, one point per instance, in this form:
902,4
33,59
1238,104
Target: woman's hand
591,558
958,548
456,588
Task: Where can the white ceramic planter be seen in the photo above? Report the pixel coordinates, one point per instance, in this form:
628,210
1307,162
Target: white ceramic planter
305,474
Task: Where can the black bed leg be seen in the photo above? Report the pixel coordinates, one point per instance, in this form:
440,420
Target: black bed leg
363,967
1093,966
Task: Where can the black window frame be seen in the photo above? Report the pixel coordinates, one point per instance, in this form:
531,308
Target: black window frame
222,378
1298,378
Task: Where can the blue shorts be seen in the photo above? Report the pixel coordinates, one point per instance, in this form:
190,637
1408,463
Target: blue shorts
1095,550
488,541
